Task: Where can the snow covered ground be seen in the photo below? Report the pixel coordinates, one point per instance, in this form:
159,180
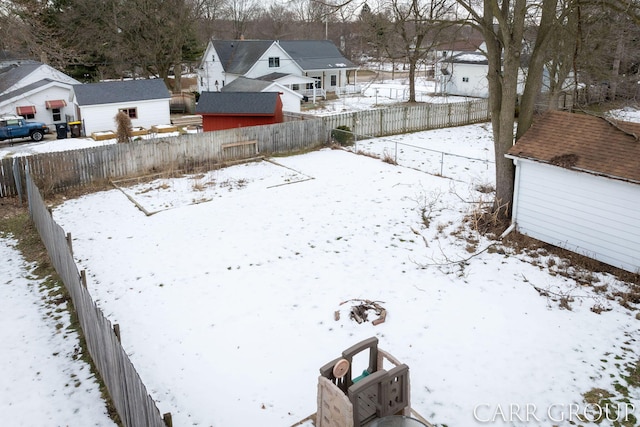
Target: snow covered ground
226,296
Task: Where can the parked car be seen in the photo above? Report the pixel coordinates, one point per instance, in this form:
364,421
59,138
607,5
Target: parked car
15,127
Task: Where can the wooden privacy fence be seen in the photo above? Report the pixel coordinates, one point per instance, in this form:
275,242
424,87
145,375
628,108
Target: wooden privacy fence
411,118
128,393
77,168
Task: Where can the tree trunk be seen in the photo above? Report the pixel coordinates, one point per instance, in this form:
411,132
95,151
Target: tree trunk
412,78
504,45
533,83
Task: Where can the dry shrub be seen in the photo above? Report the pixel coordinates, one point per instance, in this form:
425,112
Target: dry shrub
123,126
367,154
388,158
489,219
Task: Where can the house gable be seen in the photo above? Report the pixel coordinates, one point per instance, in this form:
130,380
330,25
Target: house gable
17,76
274,59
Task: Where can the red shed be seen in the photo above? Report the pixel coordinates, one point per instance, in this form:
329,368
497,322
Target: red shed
228,110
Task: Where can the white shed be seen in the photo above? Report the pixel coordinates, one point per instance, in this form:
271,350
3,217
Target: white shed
464,74
145,101
577,186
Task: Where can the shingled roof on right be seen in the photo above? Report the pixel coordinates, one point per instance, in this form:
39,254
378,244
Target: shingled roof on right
584,143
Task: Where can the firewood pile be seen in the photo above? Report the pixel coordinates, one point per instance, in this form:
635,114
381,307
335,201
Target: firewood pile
362,308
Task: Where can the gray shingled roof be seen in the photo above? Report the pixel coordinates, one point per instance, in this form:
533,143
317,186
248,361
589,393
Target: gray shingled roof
272,77
238,56
120,91
11,75
250,103
316,54
25,89
244,84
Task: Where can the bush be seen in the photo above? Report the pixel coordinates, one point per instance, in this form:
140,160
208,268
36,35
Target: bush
343,135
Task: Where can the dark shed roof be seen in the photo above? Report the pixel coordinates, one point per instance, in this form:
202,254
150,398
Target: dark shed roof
251,103
584,143
120,91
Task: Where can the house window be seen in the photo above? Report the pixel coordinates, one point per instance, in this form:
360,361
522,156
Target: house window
274,62
318,82
334,80
131,112
465,79
295,86
28,116
309,85
56,114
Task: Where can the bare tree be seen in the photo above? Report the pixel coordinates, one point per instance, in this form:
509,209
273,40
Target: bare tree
208,14
376,29
503,25
418,23
240,13
277,22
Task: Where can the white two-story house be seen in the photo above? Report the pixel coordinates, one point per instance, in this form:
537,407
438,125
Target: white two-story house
309,67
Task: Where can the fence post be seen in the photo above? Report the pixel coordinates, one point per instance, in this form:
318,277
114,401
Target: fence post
442,164
70,244
167,419
396,155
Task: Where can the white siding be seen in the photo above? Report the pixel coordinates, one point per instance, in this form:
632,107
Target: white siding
211,71
37,98
99,118
477,86
261,67
591,215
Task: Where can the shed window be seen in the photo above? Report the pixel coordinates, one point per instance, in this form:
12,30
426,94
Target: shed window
295,86
274,62
131,112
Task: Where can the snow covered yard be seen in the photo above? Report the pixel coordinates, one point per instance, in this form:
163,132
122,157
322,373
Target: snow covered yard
226,300
44,382
231,325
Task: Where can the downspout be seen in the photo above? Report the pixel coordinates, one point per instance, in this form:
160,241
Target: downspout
514,209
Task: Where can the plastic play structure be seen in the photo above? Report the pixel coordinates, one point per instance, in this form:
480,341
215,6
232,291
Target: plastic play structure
352,399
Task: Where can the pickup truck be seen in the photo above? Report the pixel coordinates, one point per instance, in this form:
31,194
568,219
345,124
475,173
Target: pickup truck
15,127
